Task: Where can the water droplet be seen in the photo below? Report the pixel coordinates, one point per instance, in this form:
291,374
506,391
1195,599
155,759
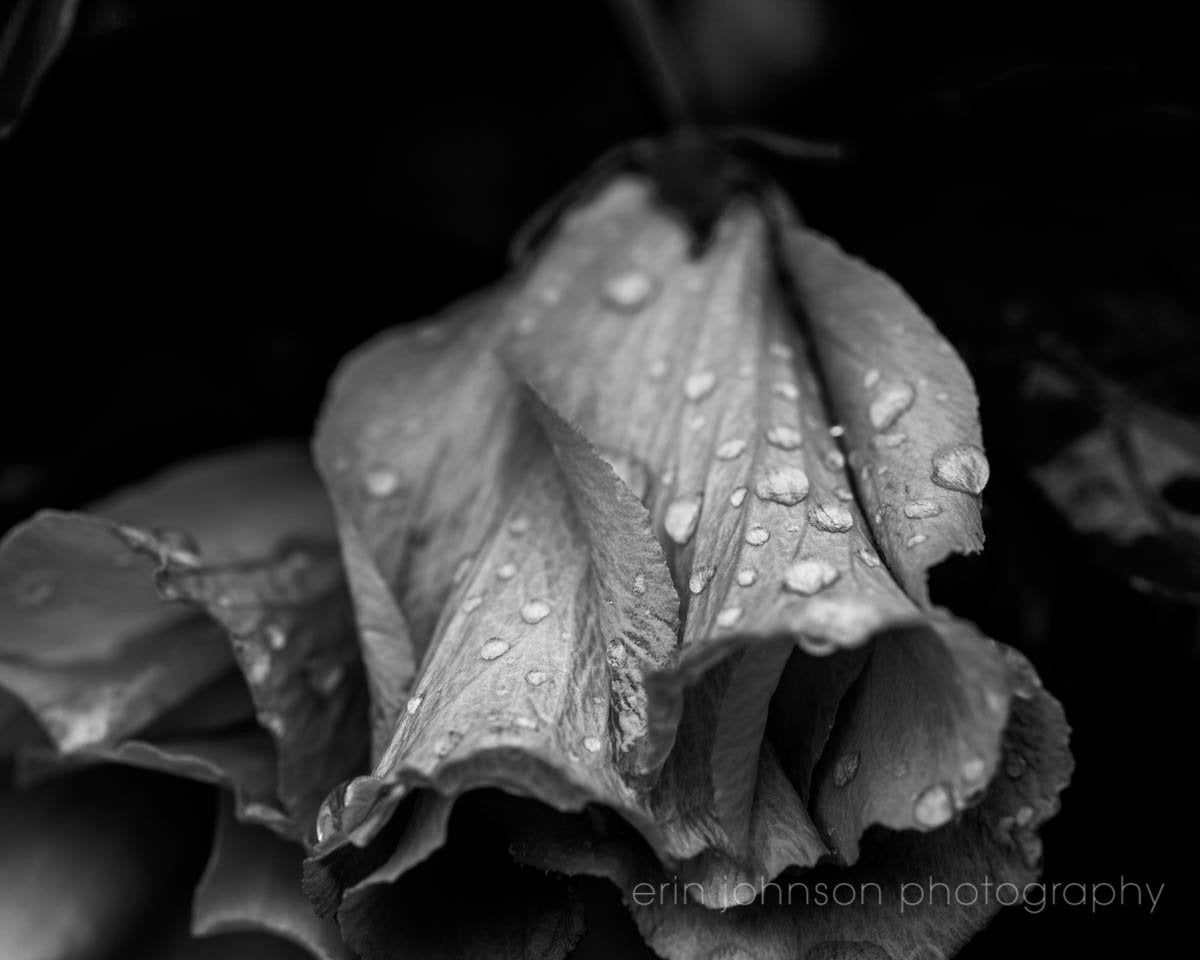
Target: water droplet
784,437
591,744
535,611
471,604
729,616
258,667
888,441
1015,765
275,636
526,324
329,680
890,402
933,807
699,385
525,723
731,449
413,705
781,350
658,369
845,768
837,430
922,509
629,292
325,824
738,497
807,577
681,518
519,524
781,388
973,769
962,467
757,536
867,557
616,653
697,422
639,584
835,460
1024,815
461,569
274,723
831,517
535,678
870,378
494,648
506,571
915,540
381,482
699,580
746,576
35,590
843,493
941,396
784,485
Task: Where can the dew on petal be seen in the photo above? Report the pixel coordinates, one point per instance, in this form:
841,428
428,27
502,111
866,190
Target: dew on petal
973,769
746,576
933,807
867,557
837,430
535,611
784,437
808,577
629,292
506,571
729,616
381,483
789,391
843,493
699,385
845,768
831,517
276,637
657,370
471,604
835,460
413,705
781,350
494,649
916,540
699,580
888,441
737,497
328,681
519,524
461,569
892,400
591,744
784,485
681,518
731,449
922,509
962,467
525,723
535,678
870,378
757,536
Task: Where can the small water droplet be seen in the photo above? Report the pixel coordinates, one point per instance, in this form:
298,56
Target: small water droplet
681,518
494,648
639,584
843,493
471,604
831,517
699,580
1024,815
922,509
591,744
892,400
757,536
737,497
326,682
697,422
784,437
867,557
837,430
658,369
845,768
535,611
783,485
933,807
629,292
381,482
729,616
525,723
276,636
526,324
413,705
535,678
274,723
506,571
697,386
519,524
731,449
973,769
258,667
915,540
870,378
808,577
781,350
835,460
789,391
962,467
888,441
746,576
461,569
941,396
325,823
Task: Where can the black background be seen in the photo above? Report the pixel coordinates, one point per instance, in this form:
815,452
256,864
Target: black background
211,202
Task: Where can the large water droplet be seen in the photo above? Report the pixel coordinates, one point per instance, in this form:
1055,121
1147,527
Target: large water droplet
737,497
699,580
962,467
731,449
784,485
933,807
494,648
890,402
746,576
807,577
729,616
922,509
784,437
697,386
845,768
681,518
832,517
629,292
535,611
381,482
757,536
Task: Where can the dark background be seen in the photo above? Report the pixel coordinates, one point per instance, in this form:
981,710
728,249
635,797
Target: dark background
209,203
